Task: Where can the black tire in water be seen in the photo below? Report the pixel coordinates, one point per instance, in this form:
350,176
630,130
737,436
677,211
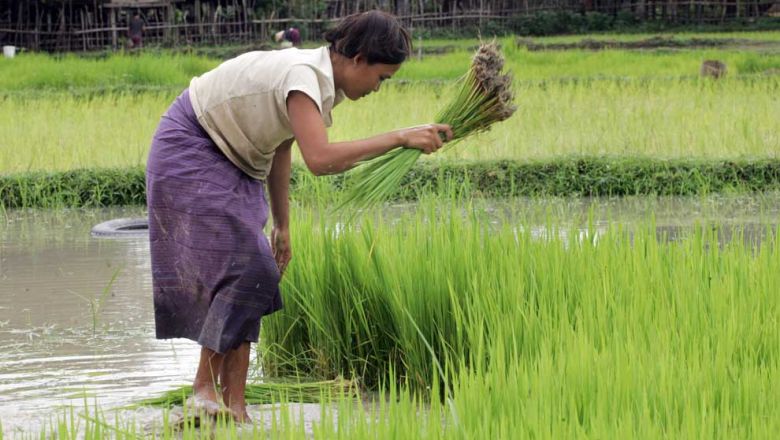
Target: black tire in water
122,227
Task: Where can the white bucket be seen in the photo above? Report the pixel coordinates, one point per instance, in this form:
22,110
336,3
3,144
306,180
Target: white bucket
9,51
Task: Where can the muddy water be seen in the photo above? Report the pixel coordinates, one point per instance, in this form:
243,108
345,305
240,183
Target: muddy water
748,218
76,316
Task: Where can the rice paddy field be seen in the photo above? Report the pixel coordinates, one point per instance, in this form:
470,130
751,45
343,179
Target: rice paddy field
449,319
674,118
58,117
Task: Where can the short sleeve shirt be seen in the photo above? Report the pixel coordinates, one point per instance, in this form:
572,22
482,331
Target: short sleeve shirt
242,103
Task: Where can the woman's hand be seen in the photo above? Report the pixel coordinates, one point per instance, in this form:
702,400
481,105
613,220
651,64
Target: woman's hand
426,138
280,245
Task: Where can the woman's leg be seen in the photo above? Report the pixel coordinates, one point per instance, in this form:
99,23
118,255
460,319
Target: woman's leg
233,380
204,387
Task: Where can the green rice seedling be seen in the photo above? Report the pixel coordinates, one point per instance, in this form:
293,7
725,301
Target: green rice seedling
46,72
560,333
484,98
656,118
171,71
570,331
579,103
268,392
583,64
60,132
96,304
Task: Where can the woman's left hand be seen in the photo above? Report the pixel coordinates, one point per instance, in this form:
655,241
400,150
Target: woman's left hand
280,245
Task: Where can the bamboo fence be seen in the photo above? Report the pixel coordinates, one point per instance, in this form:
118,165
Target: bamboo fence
84,25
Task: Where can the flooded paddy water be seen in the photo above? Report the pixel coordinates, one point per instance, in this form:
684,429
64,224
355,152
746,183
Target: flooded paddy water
76,320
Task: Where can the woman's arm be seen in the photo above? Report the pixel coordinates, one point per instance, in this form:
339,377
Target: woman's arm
323,157
279,190
279,184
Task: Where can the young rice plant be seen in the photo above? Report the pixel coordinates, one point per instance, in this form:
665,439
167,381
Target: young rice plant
484,98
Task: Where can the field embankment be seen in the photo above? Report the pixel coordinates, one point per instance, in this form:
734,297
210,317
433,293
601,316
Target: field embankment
578,176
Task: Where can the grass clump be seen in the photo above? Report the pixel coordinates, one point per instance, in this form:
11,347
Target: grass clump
484,98
76,188
568,176
565,330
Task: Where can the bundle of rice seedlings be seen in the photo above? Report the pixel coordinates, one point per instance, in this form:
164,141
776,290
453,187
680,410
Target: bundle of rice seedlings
484,97
269,392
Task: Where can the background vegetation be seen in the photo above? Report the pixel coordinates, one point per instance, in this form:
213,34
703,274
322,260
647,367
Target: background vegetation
64,113
447,60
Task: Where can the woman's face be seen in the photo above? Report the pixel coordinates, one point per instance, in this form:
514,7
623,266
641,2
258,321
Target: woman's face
363,78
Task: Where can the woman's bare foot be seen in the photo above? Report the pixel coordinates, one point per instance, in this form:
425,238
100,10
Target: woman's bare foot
197,405
205,398
240,415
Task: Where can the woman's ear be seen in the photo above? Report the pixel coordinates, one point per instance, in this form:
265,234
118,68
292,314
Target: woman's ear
358,58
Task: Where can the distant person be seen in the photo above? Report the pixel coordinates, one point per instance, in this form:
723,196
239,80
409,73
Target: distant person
288,37
221,144
135,31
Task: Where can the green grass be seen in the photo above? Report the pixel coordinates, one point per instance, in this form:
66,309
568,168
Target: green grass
670,119
75,188
38,71
655,118
67,113
65,132
531,66
582,176
570,334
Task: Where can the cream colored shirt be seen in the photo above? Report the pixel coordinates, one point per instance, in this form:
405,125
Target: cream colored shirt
242,104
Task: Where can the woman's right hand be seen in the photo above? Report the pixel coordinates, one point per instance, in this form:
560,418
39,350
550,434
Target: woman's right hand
426,137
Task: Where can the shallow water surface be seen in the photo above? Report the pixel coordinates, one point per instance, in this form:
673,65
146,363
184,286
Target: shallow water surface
76,318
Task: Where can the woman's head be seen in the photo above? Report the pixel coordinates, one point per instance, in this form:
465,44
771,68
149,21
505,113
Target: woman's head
376,35
370,47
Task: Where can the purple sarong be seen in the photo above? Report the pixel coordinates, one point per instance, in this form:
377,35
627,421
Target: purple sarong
213,272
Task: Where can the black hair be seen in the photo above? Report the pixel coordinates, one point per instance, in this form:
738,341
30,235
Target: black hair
376,35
